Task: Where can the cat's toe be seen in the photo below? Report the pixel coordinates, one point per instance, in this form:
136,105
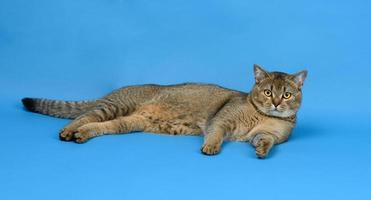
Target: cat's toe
210,149
66,134
260,153
81,136
262,148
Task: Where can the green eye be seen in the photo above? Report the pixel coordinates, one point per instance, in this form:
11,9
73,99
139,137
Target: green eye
287,95
268,93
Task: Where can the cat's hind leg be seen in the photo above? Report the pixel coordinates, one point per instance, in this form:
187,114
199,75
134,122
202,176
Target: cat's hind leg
119,125
103,113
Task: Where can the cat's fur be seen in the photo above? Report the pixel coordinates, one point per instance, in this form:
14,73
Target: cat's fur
264,117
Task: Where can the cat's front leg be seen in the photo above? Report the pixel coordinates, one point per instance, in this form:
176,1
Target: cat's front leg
263,143
213,141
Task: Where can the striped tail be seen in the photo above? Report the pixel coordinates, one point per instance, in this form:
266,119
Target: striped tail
56,108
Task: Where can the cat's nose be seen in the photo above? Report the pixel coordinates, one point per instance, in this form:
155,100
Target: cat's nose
276,102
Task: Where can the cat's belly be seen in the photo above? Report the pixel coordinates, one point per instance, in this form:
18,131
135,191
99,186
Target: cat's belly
173,127
171,120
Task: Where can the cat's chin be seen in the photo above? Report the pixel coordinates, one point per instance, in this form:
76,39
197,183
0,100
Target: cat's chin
282,114
277,113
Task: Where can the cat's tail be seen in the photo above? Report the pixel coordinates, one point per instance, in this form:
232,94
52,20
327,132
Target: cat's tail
56,108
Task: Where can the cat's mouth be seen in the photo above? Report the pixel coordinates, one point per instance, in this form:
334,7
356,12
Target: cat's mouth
276,112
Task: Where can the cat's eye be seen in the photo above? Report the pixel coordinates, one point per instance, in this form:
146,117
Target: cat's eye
287,95
268,93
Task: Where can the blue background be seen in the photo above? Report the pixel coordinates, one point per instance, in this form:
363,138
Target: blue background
83,49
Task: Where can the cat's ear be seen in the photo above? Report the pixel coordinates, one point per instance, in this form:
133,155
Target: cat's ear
300,77
260,73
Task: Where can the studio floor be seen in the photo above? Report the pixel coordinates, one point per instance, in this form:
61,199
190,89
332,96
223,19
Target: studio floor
74,50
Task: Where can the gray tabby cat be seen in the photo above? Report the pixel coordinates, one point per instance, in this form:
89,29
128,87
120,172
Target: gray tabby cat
264,117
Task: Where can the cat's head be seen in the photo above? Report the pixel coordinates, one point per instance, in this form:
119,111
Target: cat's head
276,93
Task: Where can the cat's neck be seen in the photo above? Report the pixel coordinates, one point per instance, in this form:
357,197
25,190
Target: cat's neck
291,119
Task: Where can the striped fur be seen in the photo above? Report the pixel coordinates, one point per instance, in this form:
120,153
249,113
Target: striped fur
264,117
57,108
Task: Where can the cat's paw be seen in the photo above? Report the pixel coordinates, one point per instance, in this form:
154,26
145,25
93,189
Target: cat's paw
82,135
262,149
66,134
210,149
261,152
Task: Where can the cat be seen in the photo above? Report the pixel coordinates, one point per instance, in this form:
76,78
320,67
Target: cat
264,117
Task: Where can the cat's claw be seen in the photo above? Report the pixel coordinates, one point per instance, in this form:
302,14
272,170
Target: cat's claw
210,150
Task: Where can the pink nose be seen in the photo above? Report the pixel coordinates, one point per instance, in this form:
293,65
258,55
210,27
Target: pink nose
276,102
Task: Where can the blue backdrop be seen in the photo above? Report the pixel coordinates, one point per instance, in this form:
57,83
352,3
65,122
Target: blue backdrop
83,49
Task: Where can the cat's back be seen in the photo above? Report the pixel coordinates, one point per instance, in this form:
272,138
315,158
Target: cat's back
183,90
197,88
195,95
